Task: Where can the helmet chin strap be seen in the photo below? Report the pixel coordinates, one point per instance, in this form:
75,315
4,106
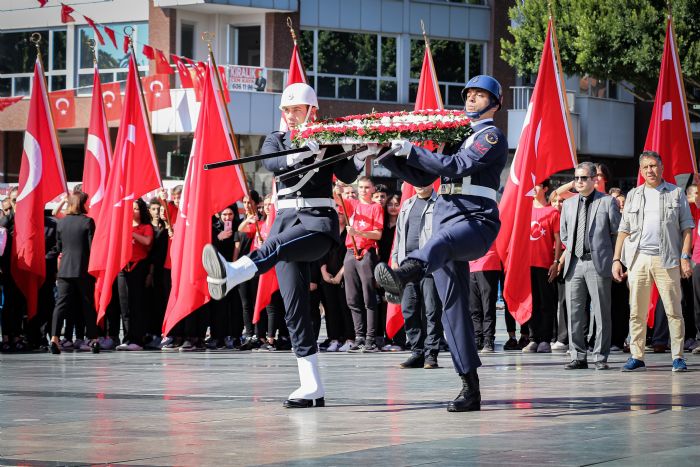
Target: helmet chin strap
478,114
308,114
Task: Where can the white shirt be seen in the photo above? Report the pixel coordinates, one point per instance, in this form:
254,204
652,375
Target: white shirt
649,242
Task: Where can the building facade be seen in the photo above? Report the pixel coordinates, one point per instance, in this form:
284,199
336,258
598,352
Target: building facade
360,55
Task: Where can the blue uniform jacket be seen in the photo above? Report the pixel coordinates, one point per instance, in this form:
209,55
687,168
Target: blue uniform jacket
483,160
319,186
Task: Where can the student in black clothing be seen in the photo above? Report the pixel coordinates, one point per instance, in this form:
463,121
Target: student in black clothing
155,302
74,284
244,236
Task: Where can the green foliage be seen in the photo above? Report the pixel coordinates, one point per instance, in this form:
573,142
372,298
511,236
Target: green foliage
620,40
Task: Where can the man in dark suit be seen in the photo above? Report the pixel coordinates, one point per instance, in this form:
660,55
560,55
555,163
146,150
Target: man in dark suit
589,223
305,228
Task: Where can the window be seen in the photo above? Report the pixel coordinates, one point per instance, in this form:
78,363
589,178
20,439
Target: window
593,87
112,61
455,63
187,40
350,65
17,56
244,45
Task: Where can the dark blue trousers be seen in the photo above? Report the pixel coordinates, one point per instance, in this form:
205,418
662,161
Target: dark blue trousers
290,253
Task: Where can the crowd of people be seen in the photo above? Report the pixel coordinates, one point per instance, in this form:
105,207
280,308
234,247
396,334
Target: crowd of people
343,290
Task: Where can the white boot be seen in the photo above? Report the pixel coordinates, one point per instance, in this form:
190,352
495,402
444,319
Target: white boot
223,276
311,388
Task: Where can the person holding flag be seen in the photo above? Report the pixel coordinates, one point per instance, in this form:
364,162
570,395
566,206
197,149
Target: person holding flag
465,224
305,228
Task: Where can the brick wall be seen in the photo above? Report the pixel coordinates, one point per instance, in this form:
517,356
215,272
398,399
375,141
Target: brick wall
278,41
503,72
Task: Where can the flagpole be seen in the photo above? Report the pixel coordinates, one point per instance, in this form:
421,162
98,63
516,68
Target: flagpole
293,33
208,37
35,38
128,32
560,72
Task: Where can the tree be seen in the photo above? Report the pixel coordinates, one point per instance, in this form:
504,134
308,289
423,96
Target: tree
619,40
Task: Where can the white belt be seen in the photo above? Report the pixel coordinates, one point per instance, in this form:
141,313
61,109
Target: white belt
301,203
467,189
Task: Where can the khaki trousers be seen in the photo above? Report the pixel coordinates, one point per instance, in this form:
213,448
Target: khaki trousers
645,271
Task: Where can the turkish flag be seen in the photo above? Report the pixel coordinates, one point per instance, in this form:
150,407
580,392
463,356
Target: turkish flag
63,108
94,27
183,71
5,102
267,283
134,173
428,98
98,151
112,97
149,52
669,129
162,65
198,71
65,14
296,74
546,147
112,36
41,179
202,197
157,92
224,84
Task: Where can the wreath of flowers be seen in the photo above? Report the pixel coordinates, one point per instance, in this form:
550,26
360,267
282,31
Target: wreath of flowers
438,126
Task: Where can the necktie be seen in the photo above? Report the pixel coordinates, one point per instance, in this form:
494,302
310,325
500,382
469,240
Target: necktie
580,228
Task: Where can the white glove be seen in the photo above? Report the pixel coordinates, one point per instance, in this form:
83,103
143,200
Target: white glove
313,146
313,149
372,150
402,147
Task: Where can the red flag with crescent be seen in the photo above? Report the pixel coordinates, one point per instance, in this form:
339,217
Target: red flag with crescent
546,147
183,71
156,89
134,173
202,197
63,108
112,98
98,151
41,179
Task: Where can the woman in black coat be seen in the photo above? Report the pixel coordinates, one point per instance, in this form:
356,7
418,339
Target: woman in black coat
73,282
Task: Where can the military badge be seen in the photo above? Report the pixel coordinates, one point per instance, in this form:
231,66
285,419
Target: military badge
491,138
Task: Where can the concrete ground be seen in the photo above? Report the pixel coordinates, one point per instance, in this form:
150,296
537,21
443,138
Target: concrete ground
225,408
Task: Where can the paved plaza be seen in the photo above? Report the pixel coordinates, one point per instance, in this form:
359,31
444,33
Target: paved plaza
225,408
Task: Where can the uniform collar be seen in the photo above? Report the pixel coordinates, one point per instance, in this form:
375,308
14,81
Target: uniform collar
488,121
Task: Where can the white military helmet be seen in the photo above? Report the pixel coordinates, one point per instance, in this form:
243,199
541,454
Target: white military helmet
298,94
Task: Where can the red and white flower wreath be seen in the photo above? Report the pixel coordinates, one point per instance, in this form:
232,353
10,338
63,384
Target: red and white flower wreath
438,126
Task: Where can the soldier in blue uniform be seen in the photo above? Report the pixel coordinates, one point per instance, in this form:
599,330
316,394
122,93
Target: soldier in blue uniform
465,224
305,228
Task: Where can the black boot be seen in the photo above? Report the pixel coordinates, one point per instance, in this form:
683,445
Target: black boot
469,399
393,281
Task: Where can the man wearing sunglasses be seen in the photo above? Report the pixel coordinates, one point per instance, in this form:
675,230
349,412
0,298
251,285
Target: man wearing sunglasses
589,223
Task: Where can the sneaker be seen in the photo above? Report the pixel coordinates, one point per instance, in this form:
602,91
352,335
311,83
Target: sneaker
416,360
523,342
187,346
211,344
250,343
511,344
283,343
172,346
333,346
479,343
559,347
123,346
544,347
679,365
66,344
106,343
600,366
133,347
78,343
634,365
347,346
357,346
392,348
85,346
690,344
229,343
324,345
431,361
265,347
370,347
613,348
488,347
530,348
696,350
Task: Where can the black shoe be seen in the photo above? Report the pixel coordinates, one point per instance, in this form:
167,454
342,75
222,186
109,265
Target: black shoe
431,361
303,403
602,366
95,346
576,365
416,360
523,341
392,298
479,343
54,348
511,344
393,281
469,398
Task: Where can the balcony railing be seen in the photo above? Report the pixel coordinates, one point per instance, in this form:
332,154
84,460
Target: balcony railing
522,95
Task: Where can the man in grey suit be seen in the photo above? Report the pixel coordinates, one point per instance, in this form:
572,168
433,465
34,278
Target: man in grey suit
589,223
